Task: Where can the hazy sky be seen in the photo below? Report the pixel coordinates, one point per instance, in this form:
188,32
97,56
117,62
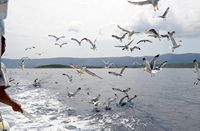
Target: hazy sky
29,22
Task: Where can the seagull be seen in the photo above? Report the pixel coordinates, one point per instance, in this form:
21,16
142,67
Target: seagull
122,90
153,33
79,42
118,74
36,83
161,66
165,13
61,44
128,102
29,48
146,2
174,44
165,36
109,102
134,47
72,94
126,46
68,76
130,33
107,64
82,70
57,38
196,70
144,41
22,64
92,43
95,100
150,67
120,37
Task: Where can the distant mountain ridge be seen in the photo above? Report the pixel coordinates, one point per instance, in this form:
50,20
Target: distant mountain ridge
98,62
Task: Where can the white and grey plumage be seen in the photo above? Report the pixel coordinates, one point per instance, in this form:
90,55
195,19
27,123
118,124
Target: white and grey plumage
60,45
70,78
161,66
152,33
36,83
135,47
82,70
118,74
72,94
150,67
146,2
164,14
144,41
91,42
130,33
196,70
95,100
56,37
120,37
174,44
125,47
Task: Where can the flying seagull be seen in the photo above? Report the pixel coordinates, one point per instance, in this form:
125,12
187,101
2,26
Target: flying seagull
108,64
174,44
151,67
56,37
118,74
91,42
144,41
165,13
120,37
68,76
29,48
153,33
82,70
146,2
79,42
196,70
126,46
72,94
134,47
61,44
130,33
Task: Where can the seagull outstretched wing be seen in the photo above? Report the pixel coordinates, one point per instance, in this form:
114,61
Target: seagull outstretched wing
153,62
141,2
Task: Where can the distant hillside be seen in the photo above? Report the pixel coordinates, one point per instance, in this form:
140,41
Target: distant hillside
173,59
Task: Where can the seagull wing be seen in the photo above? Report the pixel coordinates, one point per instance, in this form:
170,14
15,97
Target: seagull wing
76,40
53,36
196,66
141,2
123,29
117,37
64,44
120,46
162,64
117,89
130,42
153,62
92,73
165,13
122,70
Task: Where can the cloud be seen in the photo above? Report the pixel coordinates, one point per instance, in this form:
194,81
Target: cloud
74,26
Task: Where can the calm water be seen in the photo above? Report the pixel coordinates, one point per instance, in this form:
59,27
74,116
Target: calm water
165,102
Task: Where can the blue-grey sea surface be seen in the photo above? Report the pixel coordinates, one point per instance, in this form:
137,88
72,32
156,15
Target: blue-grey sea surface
168,101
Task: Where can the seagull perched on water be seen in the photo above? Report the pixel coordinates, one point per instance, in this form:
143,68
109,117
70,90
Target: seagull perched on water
174,44
130,33
196,70
144,41
68,76
91,42
56,37
125,46
164,14
79,42
82,70
120,37
146,2
122,90
72,94
61,44
118,74
151,67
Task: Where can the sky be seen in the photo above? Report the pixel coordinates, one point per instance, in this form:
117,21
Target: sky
29,23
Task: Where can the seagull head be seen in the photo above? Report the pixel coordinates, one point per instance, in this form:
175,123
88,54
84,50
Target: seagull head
194,60
157,55
143,59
